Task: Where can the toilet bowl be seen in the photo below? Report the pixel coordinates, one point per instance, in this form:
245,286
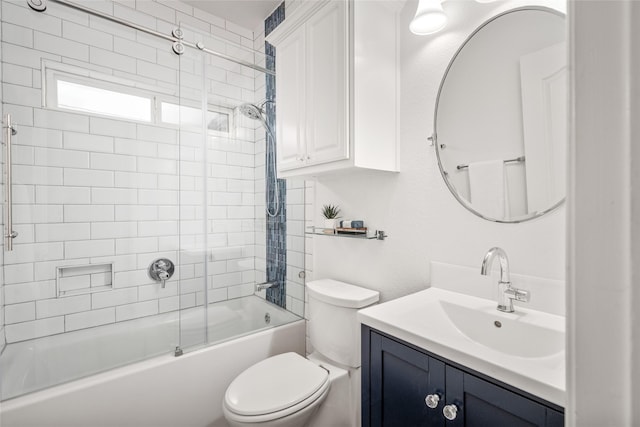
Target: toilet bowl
289,390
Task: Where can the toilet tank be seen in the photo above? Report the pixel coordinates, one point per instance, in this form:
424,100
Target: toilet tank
334,330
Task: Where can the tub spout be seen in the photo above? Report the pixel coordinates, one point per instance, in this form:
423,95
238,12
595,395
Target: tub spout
266,285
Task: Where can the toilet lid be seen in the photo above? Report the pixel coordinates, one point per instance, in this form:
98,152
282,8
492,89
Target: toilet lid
274,384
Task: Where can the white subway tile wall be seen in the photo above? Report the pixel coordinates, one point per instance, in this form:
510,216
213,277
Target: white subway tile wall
98,190
309,206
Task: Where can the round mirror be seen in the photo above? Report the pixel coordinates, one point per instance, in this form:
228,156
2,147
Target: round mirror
500,127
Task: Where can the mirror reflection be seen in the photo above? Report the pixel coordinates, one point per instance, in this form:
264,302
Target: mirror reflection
500,122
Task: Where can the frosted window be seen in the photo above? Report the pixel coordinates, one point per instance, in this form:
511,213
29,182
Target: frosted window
90,99
192,117
75,89
218,121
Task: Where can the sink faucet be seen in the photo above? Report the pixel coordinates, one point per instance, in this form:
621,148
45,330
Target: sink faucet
506,293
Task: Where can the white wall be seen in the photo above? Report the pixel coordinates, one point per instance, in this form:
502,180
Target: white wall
2,214
423,220
604,204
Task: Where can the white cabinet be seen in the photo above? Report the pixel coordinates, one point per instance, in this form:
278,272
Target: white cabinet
311,91
336,79
290,100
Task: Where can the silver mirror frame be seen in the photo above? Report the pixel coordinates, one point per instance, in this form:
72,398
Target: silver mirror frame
434,137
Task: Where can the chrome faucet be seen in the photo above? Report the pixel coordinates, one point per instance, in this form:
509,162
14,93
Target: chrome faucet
506,293
161,270
266,285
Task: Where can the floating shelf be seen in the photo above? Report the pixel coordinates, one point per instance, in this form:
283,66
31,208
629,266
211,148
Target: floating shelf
321,231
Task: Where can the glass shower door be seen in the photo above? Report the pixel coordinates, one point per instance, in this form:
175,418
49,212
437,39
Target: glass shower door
190,113
100,177
232,135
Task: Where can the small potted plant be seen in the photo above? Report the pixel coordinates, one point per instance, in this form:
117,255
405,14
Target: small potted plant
330,214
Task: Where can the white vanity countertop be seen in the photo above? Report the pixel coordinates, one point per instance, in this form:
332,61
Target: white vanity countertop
527,351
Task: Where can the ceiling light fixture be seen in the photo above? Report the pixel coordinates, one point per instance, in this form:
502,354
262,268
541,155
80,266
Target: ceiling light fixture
430,18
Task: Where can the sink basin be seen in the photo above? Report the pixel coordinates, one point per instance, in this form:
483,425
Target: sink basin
524,348
504,333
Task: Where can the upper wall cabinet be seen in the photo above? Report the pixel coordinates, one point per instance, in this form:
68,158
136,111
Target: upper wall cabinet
336,82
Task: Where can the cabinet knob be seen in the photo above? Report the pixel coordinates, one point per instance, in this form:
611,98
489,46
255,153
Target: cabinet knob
450,412
432,400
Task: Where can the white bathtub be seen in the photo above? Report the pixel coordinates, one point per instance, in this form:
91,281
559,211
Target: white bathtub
165,390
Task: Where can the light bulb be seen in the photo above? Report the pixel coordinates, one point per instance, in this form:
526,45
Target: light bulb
430,18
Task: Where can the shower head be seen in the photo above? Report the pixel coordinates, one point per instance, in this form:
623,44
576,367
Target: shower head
251,111
255,112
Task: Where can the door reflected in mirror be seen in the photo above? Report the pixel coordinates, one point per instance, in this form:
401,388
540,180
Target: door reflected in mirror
501,117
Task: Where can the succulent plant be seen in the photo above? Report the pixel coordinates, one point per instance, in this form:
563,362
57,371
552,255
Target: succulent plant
330,211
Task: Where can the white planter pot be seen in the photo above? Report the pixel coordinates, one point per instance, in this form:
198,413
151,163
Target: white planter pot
330,224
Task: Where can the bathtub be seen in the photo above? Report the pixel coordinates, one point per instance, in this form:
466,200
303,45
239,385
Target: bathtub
164,390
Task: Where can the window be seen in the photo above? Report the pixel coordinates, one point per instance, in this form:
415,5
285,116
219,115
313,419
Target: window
219,119
95,100
81,90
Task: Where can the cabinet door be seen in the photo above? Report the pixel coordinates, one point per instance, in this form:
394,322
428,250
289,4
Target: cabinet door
290,85
481,403
327,90
400,380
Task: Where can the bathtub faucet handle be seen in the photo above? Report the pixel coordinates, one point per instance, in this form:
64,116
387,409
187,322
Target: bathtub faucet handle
164,276
161,270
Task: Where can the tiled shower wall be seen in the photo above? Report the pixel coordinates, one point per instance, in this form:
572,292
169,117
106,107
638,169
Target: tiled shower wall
288,240
276,188
93,190
298,272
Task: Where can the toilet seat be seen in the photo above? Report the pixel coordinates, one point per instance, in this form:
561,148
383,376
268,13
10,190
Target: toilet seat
274,388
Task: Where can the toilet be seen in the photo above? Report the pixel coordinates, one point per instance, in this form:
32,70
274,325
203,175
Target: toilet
289,390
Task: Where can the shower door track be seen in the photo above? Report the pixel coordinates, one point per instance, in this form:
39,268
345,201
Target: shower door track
167,37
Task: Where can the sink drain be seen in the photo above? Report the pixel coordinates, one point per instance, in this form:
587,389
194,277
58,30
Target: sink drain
497,324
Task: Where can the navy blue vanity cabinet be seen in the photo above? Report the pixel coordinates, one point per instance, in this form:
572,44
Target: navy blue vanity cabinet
480,403
398,380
